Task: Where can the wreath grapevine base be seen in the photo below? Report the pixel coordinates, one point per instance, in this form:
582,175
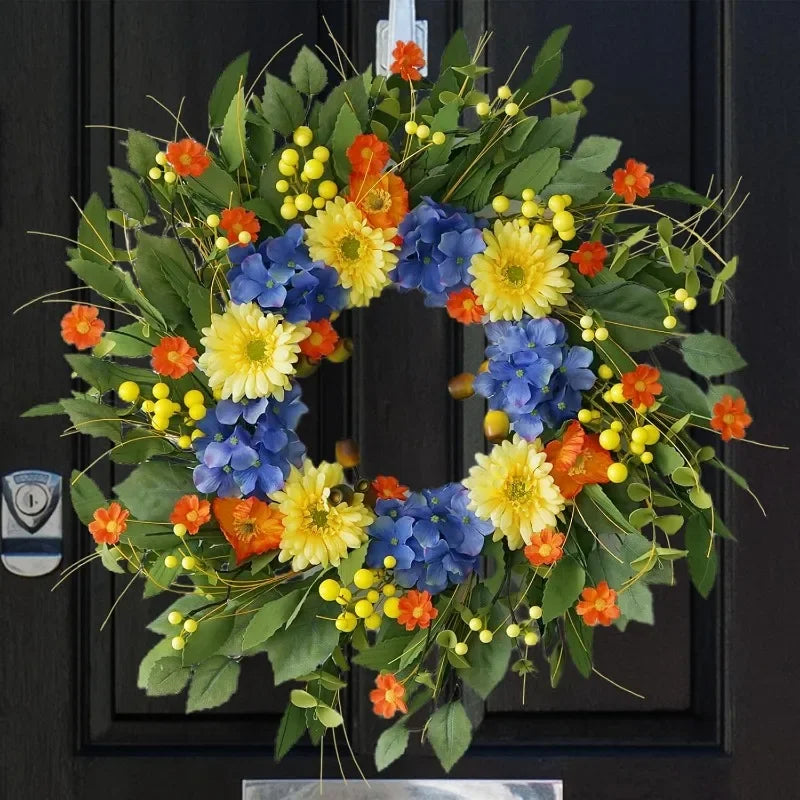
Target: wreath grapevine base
227,268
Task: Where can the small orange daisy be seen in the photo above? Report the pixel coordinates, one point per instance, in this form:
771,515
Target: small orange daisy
109,524
730,418
81,327
192,512
188,157
545,547
387,699
235,220
173,357
408,60
322,340
589,257
598,605
632,181
250,526
578,460
464,307
641,385
368,154
388,487
383,199
416,610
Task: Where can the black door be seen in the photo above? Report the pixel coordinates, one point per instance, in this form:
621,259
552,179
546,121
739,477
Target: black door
695,89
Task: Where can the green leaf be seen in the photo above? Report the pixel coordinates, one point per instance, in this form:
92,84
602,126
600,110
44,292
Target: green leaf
127,341
353,562
546,66
489,663
533,172
128,193
215,186
304,646
391,744
346,129
110,558
225,88
456,54
384,653
682,394
282,106
579,643
670,524
161,650
268,619
450,733
291,728
350,93
595,500
674,191
167,676
213,683
139,445
702,557
86,496
94,232
709,354
553,132
93,419
717,391
308,73
185,604
636,603
638,492
231,141
328,717
581,89
667,458
684,476
577,182
159,575
142,151
153,488
700,498
43,410
201,304
562,588
640,517
212,632
596,153
446,120
302,699
556,662
515,138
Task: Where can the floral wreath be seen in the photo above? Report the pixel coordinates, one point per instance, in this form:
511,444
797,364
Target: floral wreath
303,209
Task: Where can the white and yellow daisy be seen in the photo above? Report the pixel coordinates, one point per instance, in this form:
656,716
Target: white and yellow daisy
249,353
520,272
315,531
513,488
340,236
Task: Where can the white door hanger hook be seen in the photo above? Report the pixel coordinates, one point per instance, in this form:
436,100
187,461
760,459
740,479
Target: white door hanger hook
402,26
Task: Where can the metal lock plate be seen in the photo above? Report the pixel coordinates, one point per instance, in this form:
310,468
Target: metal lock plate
32,523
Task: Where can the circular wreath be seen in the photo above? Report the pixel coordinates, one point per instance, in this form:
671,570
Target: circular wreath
303,209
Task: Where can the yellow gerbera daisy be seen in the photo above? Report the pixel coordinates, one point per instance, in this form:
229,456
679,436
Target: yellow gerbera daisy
519,272
314,530
249,353
340,236
513,488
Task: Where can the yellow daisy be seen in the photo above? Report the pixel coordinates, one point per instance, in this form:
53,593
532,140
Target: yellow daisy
513,488
340,236
314,530
519,273
249,353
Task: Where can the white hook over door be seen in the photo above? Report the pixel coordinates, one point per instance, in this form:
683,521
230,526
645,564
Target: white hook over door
402,26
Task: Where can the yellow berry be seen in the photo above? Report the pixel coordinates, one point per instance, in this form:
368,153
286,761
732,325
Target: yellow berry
504,92
178,643
319,202
303,202
179,529
289,200
303,136
411,127
148,406
670,322
616,425
423,132
128,391
282,186
689,304
314,169
511,109
188,563
653,434
528,194
160,423
563,221
364,578
363,608
197,434
586,321
567,198
617,473
531,639
461,649
286,169
389,590
543,231
584,416
327,189
288,211
391,608
529,209
476,624
190,626
596,414
601,334
175,618
556,204
500,203
390,562
373,596
636,448
170,562
639,435
161,158
197,412
496,425
160,391
681,295
605,372
482,109
290,157
568,235
344,596
486,636
646,457
245,237
535,612
184,442
321,154
618,393
329,590
193,397
154,173
609,439
513,630
346,622
372,622
587,335
221,243
438,137
608,397
641,408
163,408
170,177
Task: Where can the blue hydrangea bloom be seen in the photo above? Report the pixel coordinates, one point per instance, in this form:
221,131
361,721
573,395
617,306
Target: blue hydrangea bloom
389,537
534,375
314,295
438,244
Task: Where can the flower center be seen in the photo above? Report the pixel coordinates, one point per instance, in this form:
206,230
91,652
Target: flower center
729,419
630,180
191,516
600,604
185,159
378,200
350,247
516,489
258,350
319,516
389,696
514,274
173,356
82,327
468,305
315,339
640,386
545,550
111,526
417,612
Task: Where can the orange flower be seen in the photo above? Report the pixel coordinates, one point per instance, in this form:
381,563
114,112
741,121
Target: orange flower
235,220
730,418
250,526
408,59
188,157
388,487
321,342
589,257
632,181
598,604
192,512
383,199
81,327
387,699
463,306
641,385
577,460
109,524
173,356
416,610
545,547
368,154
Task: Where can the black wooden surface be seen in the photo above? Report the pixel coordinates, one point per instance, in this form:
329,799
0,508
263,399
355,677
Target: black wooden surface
694,89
